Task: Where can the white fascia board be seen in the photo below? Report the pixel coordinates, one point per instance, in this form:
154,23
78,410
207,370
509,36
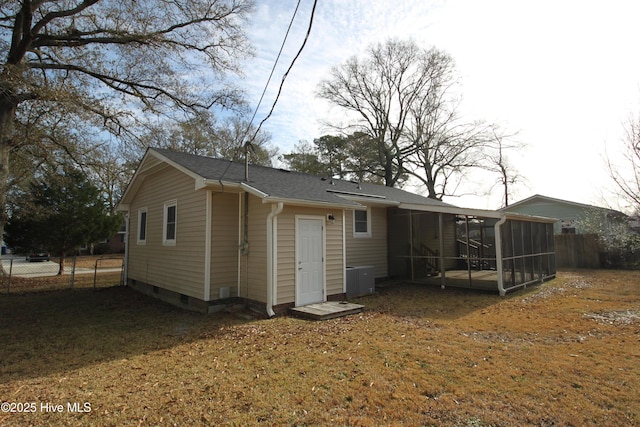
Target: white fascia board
178,166
530,218
310,203
238,186
369,201
454,210
485,213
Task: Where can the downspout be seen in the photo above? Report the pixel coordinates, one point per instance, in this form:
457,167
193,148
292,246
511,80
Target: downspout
272,258
499,254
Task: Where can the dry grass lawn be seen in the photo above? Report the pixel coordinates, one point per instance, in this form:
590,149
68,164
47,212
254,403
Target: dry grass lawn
565,353
89,261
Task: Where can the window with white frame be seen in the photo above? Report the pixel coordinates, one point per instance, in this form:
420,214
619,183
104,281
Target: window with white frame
142,226
362,223
170,222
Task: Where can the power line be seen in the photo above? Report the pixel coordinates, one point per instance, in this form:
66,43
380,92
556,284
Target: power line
284,77
273,69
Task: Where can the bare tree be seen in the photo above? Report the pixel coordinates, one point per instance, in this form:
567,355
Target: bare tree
229,140
446,147
110,62
403,101
497,162
380,91
626,175
109,172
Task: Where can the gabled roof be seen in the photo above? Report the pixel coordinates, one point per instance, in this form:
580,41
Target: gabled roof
540,198
279,185
276,184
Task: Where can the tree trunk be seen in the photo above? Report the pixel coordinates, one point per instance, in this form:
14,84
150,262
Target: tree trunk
61,269
7,116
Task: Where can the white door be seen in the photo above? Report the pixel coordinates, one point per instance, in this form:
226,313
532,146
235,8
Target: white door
310,262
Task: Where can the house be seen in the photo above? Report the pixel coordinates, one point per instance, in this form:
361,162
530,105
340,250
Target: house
568,214
112,245
203,232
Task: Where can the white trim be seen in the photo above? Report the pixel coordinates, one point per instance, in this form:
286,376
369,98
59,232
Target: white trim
168,204
321,218
127,238
498,243
272,258
454,210
310,203
362,234
207,246
344,252
146,227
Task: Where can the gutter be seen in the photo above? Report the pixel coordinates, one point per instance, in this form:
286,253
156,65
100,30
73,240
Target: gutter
272,256
498,238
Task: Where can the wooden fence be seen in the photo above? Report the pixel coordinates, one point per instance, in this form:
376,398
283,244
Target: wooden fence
577,251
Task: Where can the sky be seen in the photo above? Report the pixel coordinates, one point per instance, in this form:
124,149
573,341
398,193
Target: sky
564,75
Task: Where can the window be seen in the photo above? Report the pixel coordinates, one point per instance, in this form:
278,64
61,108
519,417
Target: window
142,226
170,222
568,226
362,223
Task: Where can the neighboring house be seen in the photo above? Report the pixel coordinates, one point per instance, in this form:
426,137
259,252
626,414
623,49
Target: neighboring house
568,214
113,245
201,233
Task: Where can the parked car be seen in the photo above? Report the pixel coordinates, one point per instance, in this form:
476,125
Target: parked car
38,256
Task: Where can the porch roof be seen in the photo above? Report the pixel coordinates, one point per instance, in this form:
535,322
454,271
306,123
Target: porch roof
482,213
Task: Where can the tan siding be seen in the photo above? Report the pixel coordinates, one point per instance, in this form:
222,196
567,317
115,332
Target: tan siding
224,243
178,268
369,250
335,259
334,267
254,265
286,257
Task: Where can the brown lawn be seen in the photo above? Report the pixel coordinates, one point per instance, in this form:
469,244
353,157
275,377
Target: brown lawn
565,353
90,261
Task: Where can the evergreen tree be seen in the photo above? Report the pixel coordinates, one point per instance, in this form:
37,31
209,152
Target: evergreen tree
61,211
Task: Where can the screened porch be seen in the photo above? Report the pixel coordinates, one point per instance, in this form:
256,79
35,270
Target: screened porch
470,248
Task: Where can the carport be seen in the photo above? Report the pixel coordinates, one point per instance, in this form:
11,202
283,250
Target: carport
470,248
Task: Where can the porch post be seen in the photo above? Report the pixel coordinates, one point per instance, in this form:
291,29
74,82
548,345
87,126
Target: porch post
441,243
498,237
411,243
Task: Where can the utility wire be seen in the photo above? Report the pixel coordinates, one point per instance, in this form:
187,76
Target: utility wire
273,69
247,144
315,2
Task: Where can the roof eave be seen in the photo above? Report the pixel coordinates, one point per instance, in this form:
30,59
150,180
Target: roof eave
311,203
451,210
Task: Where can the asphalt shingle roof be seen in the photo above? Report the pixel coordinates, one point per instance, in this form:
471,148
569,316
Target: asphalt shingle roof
280,183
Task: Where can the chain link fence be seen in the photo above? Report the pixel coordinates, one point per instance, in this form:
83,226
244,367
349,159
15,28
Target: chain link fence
19,275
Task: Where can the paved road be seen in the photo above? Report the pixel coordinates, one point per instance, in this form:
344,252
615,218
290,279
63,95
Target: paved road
23,268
